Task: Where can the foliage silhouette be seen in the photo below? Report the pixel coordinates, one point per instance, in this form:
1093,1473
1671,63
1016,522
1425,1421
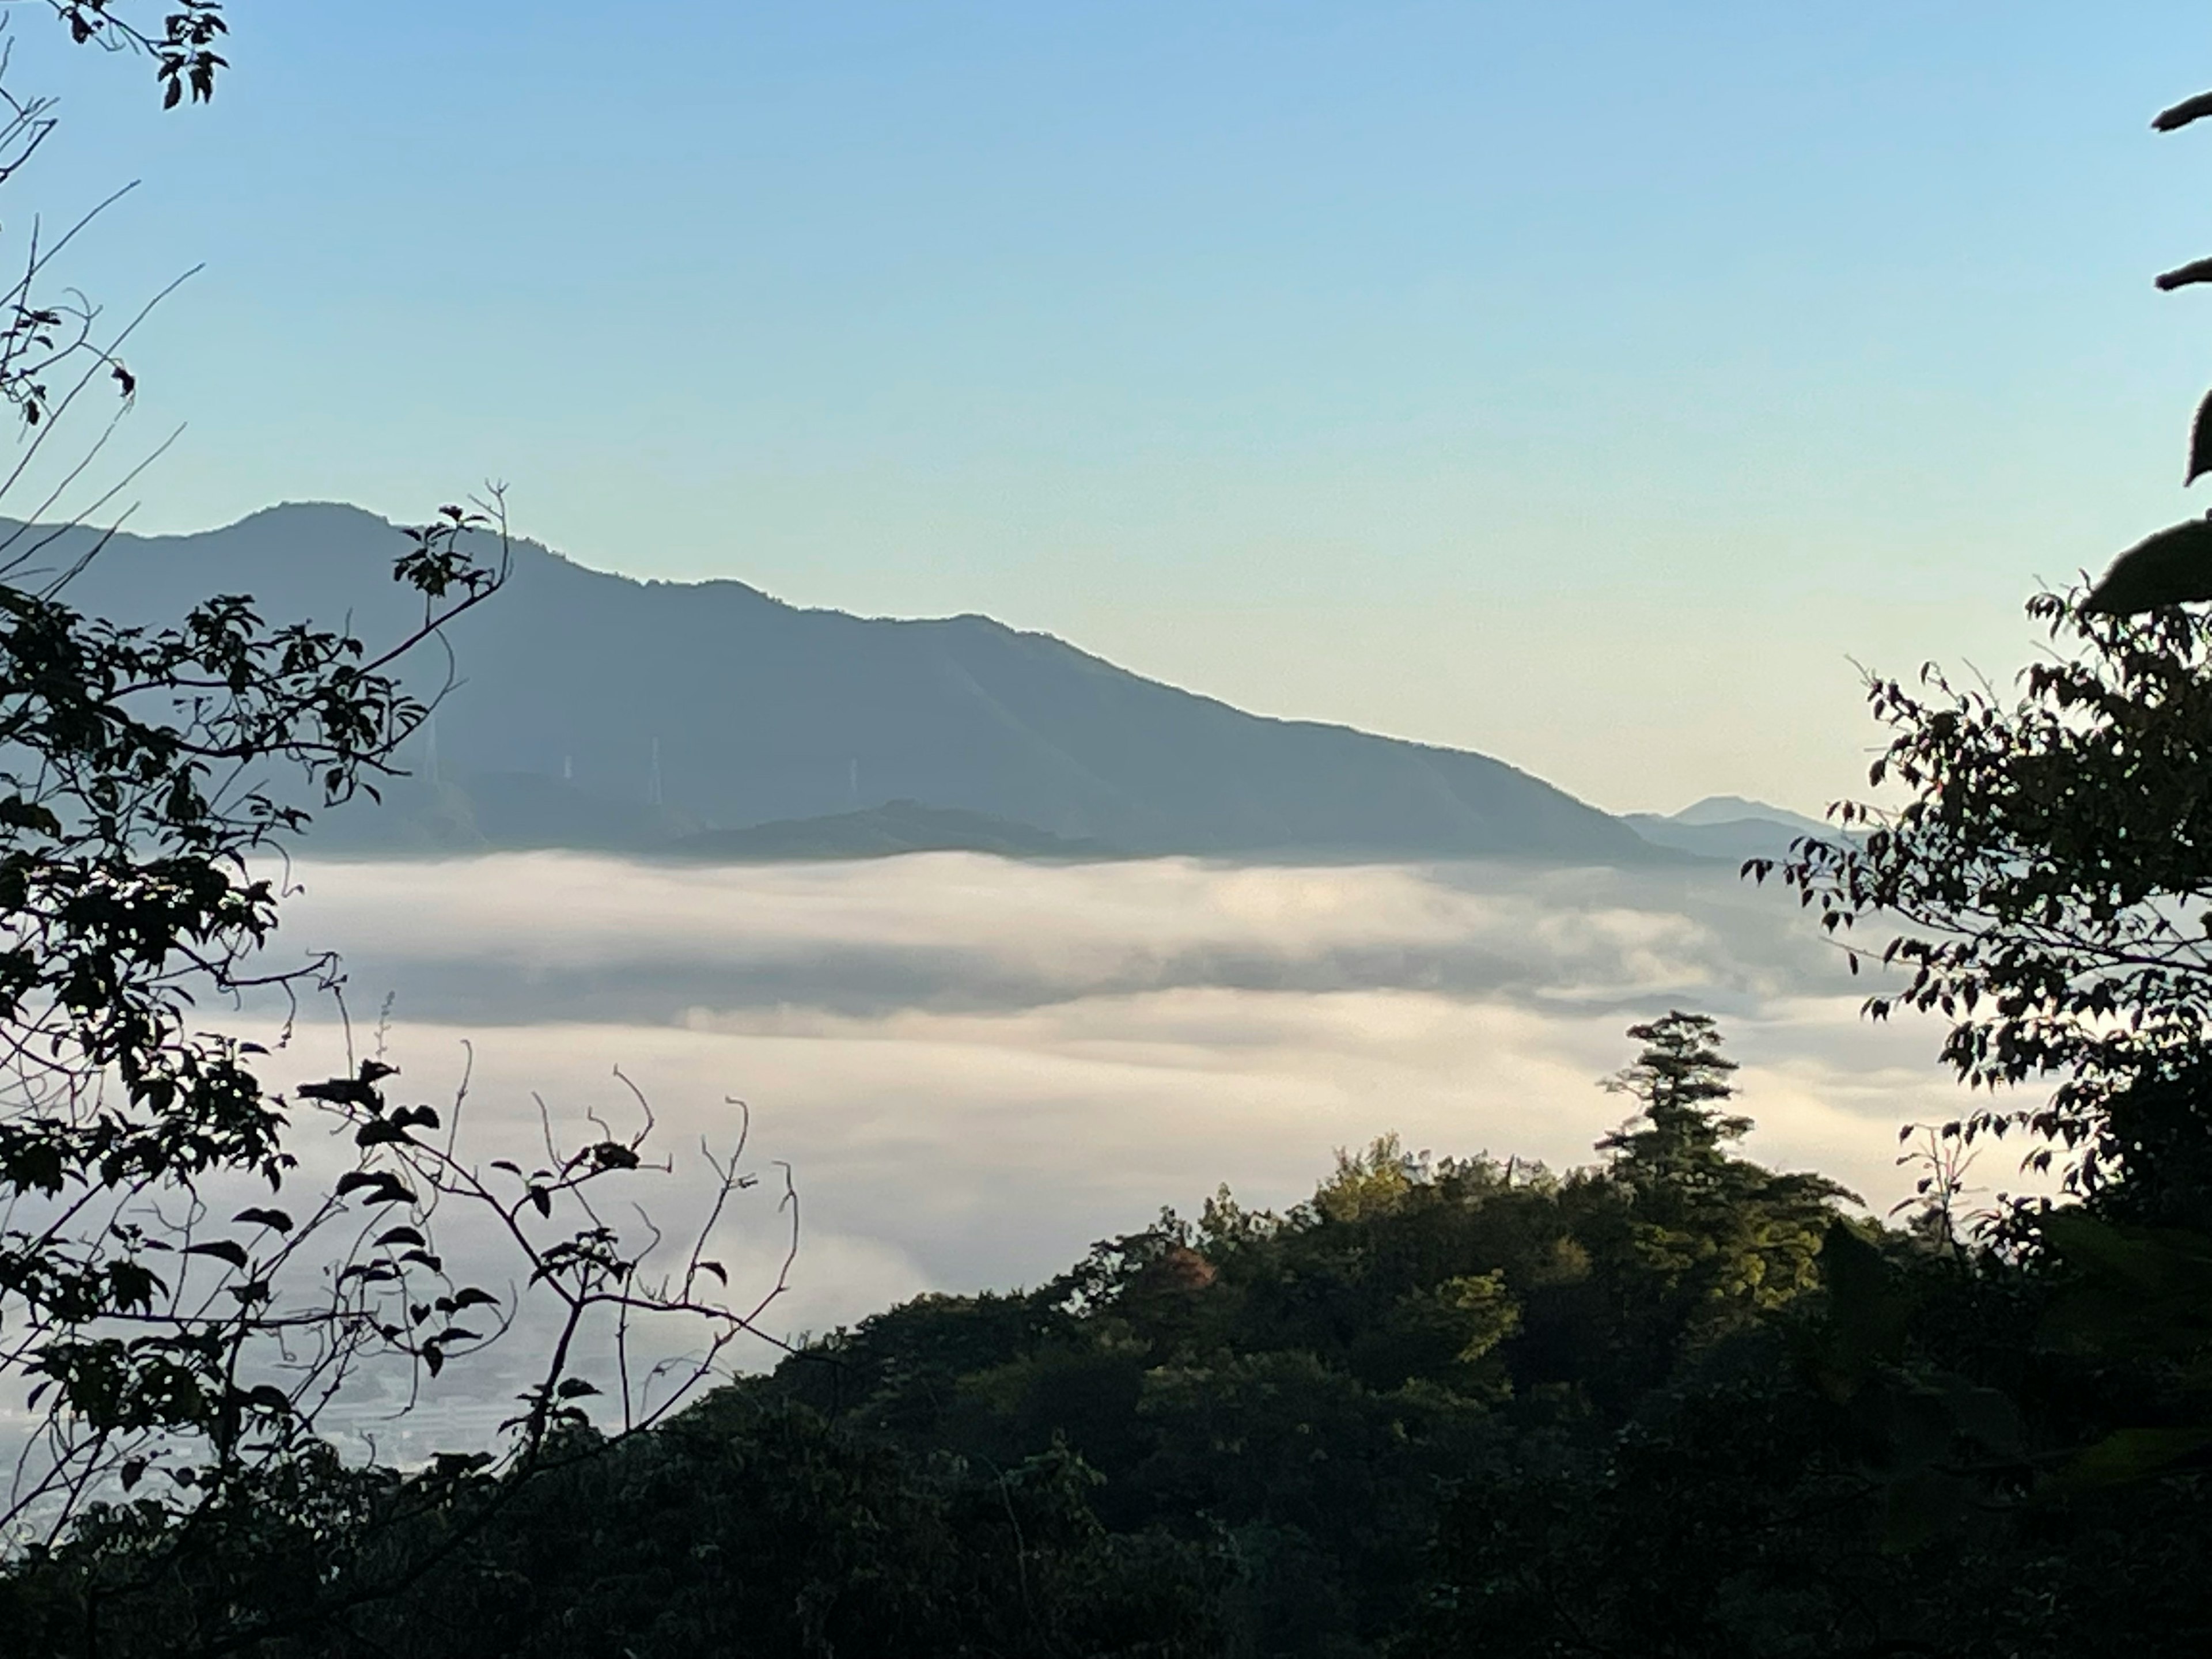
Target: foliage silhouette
2174,566
170,1373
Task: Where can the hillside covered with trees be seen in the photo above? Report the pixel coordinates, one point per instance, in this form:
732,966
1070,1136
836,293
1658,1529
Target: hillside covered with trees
1669,1403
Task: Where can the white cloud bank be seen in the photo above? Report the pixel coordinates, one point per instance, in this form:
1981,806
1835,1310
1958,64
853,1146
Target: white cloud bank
977,1068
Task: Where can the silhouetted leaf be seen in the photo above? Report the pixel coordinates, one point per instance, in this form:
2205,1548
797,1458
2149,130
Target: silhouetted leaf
2181,114
222,1249
2196,271
2200,442
2173,566
380,1188
343,1092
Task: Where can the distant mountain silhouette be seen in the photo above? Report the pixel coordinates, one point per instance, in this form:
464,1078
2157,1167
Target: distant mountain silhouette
601,711
1728,827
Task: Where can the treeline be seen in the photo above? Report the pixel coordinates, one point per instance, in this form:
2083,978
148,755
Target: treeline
1673,1403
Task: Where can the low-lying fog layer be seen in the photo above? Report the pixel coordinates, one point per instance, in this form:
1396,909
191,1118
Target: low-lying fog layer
977,1068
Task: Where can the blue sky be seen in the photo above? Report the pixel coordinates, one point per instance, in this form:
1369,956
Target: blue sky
1586,382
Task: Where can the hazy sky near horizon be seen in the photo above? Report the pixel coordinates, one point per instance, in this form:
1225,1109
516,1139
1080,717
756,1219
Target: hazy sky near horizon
1584,383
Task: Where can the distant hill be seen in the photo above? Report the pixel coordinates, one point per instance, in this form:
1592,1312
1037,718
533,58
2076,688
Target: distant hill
1728,827
601,711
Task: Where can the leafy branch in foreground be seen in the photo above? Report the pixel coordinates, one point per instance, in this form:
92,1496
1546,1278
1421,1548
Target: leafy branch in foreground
180,1422
182,46
2048,881
168,1371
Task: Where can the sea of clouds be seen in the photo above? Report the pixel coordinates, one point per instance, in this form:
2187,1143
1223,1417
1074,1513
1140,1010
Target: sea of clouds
967,1070
975,1067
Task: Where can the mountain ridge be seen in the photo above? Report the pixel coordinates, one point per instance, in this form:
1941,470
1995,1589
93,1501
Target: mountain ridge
1731,827
716,706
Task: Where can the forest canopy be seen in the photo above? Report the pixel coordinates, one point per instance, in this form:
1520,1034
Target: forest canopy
1667,1402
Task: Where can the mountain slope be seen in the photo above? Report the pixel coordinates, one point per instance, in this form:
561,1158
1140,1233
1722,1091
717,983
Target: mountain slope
1728,827
897,826
749,710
